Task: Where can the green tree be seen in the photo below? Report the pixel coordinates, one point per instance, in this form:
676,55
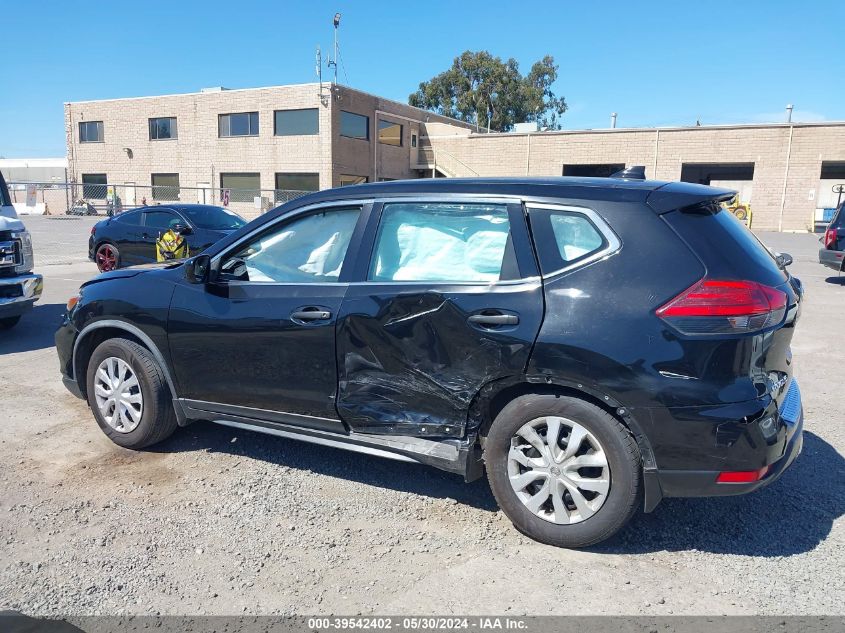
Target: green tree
482,89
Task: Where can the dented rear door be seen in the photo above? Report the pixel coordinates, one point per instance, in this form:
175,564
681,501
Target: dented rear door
449,299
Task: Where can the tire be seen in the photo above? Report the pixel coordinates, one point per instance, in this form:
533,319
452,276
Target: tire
741,213
9,322
621,476
107,257
156,420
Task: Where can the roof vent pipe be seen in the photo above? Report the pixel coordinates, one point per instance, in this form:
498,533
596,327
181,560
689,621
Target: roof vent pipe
613,119
789,113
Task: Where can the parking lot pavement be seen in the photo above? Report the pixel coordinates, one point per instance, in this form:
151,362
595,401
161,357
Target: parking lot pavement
60,239
218,521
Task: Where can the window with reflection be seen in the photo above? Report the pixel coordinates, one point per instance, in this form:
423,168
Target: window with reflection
309,249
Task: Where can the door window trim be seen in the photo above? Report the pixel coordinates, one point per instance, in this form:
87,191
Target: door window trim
613,243
296,214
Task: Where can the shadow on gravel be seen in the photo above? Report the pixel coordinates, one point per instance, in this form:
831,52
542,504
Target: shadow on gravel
836,281
373,471
34,331
791,516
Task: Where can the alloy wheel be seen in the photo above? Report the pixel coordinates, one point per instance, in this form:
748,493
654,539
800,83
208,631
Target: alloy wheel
118,395
106,258
558,470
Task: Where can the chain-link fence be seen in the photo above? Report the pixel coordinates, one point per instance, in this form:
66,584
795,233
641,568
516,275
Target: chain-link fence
101,198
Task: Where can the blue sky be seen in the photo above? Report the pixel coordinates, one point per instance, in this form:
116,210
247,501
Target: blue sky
655,63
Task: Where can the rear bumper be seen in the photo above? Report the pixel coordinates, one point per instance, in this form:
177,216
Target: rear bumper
703,483
17,294
831,259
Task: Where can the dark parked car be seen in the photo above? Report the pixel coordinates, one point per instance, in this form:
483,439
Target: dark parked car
594,344
129,238
833,253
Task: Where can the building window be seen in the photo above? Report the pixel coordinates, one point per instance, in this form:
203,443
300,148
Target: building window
163,128
94,186
239,124
595,170
346,179
242,186
165,186
91,132
389,133
298,182
354,125
296,122
413,140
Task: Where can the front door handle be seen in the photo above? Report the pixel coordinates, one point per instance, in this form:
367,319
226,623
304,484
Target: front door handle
310,315
492,320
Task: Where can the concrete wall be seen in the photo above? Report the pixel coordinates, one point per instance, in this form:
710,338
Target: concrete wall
664,151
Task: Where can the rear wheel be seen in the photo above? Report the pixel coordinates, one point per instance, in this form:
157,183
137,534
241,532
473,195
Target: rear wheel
9,322
107,257
129,395
564,471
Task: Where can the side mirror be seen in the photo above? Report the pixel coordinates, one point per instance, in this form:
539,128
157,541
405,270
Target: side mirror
783,259
182,229
197,269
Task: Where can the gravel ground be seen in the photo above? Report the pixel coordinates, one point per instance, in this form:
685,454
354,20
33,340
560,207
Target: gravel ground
216,521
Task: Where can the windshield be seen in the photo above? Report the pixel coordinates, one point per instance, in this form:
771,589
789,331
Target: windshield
213,218
4,193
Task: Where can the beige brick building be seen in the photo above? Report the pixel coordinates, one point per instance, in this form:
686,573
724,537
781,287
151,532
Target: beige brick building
302,137
189,146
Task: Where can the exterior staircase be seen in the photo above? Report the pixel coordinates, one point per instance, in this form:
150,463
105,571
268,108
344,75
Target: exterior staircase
441,162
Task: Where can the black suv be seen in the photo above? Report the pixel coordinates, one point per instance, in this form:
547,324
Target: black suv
593,344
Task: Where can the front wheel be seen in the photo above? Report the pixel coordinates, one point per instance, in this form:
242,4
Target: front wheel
564,471
129,395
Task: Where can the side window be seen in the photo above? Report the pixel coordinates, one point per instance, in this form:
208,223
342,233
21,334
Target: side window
443,242
563,237
307,249
162,220
128,217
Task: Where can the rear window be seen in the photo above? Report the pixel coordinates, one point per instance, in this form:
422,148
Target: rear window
563,238
838,220
727,247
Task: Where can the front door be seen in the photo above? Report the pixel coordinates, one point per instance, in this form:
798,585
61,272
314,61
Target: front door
452,301
156,223
260,338
128,195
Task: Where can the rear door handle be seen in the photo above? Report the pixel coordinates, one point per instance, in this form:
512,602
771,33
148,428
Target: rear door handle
310,315
492,320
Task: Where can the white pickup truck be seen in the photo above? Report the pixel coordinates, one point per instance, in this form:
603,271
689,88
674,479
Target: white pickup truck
20,288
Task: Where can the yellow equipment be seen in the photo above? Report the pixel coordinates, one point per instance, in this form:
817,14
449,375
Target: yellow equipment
742,210
171,245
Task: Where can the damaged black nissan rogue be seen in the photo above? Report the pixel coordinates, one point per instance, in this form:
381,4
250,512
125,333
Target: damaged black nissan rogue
594,345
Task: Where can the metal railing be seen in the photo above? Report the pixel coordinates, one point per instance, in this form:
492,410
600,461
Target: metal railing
441,160
74,198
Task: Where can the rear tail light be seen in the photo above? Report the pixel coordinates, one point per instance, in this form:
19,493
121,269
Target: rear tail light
830,238
712,306
742,476
93,229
